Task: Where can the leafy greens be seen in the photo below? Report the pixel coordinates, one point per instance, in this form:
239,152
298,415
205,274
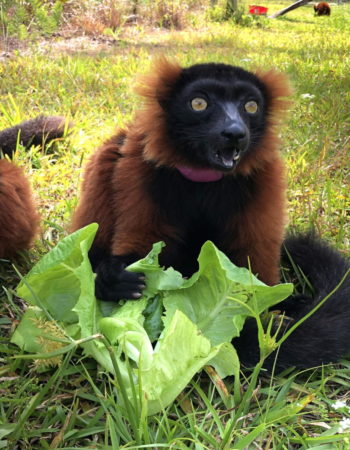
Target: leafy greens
192,320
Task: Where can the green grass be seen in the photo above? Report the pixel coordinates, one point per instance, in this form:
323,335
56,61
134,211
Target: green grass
75,405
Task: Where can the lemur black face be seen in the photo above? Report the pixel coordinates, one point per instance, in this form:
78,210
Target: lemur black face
216,115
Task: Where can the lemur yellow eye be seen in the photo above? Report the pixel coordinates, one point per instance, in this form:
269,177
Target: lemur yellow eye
251,107
199,104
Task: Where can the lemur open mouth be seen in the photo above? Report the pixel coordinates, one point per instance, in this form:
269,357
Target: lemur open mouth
227,158
222,161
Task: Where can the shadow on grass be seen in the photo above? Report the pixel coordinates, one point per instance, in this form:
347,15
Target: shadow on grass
295,20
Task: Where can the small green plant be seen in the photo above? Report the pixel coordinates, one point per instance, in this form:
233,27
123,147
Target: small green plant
19,18
217,13
240,17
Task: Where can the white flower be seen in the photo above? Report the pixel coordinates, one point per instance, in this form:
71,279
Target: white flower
344,425
339,404
307,96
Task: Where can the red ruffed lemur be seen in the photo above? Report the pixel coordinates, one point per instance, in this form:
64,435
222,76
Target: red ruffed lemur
322,9
201,162
19,219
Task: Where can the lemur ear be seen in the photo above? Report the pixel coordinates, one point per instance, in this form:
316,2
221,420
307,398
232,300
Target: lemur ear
155,87
157,84
278,90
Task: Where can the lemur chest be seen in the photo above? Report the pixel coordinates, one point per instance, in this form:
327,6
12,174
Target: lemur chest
202,210
198,212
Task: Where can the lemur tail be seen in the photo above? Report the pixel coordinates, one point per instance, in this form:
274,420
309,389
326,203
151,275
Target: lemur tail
36,131
323,266
322,338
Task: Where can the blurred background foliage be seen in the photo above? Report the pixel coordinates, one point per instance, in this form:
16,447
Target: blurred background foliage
25,18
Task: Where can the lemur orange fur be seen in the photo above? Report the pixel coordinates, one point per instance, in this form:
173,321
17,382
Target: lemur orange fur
19,219
113,191
322,9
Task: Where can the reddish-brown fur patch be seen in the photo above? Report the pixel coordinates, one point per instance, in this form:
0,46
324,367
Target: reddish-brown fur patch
150,122
139,221
322,9
278,90
19,219
258,232
97,202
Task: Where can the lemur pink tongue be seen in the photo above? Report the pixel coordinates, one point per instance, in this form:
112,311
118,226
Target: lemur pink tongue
200,175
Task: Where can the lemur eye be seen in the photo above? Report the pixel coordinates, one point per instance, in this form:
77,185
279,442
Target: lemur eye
251,107
199,104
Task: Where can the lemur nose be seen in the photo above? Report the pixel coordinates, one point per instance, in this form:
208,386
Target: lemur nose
234,132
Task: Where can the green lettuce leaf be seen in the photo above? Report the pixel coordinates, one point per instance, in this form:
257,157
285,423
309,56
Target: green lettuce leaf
158,279
193,320
220,296
175,362
55,283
